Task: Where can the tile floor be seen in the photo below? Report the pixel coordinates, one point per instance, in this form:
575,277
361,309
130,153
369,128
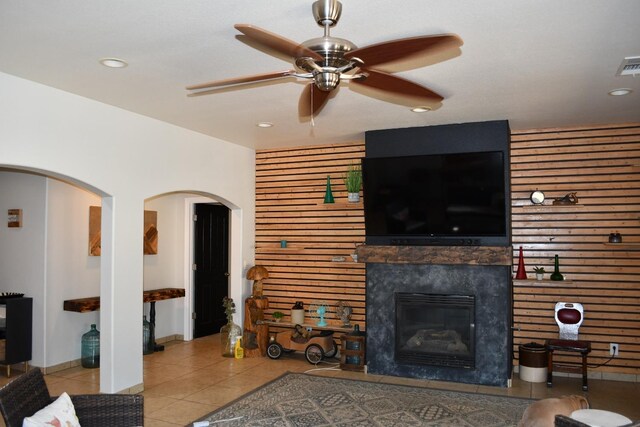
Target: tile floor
191,379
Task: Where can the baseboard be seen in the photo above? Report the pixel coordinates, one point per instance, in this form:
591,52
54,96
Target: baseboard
76,362
60,366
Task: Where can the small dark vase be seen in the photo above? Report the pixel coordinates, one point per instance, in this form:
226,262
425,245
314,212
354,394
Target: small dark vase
615,238
556,273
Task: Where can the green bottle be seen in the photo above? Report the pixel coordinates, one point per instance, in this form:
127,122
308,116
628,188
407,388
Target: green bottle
328,195
556,273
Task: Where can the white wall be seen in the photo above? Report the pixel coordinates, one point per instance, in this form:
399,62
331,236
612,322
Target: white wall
125,158
70,271
22,250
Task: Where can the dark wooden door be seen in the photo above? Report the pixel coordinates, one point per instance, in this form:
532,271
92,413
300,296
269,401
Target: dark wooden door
211,275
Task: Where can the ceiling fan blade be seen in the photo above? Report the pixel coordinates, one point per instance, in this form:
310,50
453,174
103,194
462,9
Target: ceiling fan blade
276,42
312,100
243,80
396,85
395,50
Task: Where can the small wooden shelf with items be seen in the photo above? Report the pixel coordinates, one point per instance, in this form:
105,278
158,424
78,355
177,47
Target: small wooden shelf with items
342,205
545,281
289,250
548,208
335,328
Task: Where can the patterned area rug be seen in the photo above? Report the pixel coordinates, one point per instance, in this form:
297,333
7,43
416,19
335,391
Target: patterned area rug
297,400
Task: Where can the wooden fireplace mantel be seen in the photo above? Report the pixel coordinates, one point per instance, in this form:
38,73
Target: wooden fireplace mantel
441,255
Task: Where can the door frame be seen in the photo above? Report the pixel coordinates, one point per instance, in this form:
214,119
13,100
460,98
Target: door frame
237,264
190,210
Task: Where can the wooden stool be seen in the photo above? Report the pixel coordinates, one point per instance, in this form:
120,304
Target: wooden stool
574,346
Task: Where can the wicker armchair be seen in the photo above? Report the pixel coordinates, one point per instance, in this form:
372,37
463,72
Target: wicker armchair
28,393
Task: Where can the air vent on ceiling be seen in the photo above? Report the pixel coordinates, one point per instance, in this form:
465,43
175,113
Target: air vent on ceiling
630,66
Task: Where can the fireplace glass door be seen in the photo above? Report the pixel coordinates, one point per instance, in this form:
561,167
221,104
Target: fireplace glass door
433,329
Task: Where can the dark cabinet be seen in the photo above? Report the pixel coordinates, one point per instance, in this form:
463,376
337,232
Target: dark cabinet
15,332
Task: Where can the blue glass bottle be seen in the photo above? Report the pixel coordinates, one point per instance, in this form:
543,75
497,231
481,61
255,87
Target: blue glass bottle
147,344
90,357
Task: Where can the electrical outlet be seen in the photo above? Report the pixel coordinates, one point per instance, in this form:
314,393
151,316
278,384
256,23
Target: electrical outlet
613,349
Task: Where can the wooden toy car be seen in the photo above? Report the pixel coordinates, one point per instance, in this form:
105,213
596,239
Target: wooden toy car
315,346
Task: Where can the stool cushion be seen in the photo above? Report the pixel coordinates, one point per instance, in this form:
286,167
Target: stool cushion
569,345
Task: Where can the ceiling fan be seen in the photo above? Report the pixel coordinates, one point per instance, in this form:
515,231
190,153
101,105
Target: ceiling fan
327,61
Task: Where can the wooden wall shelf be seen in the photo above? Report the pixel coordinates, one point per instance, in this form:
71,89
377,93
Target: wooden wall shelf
548,208
85,305
342,205
528,282
623,244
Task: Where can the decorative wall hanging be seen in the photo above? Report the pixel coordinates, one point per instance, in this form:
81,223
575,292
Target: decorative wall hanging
14,218
150,236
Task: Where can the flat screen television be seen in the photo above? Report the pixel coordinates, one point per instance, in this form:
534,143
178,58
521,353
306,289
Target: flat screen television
436,199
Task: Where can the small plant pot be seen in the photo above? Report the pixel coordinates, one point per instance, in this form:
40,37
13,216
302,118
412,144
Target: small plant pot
353,197
539,276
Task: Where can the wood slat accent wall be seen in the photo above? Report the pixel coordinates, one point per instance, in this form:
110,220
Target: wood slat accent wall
290,189
603,166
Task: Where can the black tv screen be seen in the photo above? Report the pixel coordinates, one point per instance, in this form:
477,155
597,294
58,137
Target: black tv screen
448,199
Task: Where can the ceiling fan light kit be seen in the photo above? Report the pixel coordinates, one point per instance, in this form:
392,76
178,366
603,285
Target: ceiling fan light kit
327,61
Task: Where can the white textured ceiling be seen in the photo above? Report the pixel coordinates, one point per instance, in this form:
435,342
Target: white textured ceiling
536,63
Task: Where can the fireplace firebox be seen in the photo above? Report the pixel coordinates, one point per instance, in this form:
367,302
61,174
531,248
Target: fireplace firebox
435,329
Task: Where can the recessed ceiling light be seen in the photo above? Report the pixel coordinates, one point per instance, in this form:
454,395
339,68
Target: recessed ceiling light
113,62
620,92
420,109
264,124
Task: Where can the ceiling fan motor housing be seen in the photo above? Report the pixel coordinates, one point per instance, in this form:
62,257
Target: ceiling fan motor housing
332,49
326,12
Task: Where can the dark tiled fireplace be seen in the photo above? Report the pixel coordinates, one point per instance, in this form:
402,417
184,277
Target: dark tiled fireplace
456,317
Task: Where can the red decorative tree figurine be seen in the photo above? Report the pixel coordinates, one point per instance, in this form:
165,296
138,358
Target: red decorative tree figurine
521,274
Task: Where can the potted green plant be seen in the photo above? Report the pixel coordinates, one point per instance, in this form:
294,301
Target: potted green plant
277,315
539,272
353,182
